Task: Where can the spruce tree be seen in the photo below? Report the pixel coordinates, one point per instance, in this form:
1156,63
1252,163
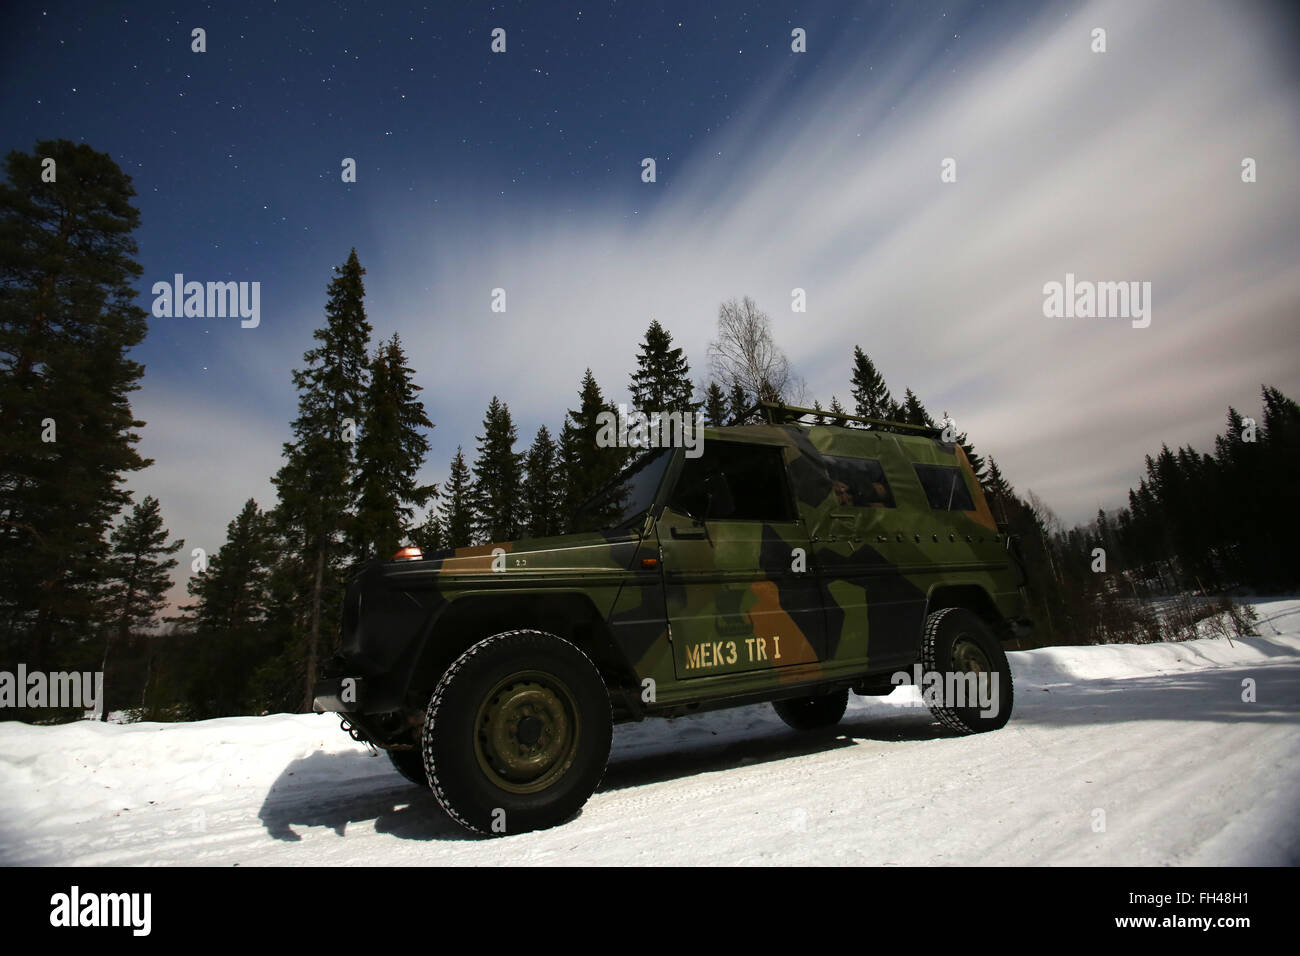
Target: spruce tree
456,513
390,453
912,412
428,536
662,380
837,412
586,467
498,477
818,419
739,404
68,320
276,685
315,481
997,485
870,395
234,605
139,566
543,488
715,405
233,592
1279,489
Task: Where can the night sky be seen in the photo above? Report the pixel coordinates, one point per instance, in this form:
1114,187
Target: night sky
776,170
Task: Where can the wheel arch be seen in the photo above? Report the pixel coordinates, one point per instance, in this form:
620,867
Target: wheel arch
973,598
470,618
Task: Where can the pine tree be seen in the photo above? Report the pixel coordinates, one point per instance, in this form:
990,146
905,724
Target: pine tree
68,321
498,477
275,686
543,488
836,412
997,485
662,380
739,404
586,467
233,592
234,604
1279,488
456,513
715,405
819,418
870,396
912,412
428,536
314,483
139,563
390,454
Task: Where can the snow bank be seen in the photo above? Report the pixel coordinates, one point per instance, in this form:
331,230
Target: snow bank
1157,737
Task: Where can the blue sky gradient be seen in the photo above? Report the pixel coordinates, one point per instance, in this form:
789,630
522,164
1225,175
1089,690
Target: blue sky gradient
776,170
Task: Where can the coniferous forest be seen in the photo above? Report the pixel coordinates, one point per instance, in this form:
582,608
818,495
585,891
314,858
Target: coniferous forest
85,563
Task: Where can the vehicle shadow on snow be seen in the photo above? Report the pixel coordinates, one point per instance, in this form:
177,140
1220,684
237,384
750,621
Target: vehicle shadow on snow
333,790
641,759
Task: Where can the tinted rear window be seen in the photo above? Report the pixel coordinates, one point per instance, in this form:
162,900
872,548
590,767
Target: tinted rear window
858,482
945,488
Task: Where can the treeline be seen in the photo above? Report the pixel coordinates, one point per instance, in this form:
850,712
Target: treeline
1198,526
85,567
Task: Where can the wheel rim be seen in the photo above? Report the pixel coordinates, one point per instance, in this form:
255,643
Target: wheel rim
526,733
968,657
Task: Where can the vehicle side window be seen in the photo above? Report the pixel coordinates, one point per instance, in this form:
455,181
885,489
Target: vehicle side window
858,482
945,488
733,482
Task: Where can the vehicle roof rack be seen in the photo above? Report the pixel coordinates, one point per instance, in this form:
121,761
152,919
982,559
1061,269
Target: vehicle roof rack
779,414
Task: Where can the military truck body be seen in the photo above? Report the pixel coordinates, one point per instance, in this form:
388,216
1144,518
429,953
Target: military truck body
788,561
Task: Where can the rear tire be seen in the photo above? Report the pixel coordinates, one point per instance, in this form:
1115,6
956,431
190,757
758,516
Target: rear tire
957,641
813,713
517,733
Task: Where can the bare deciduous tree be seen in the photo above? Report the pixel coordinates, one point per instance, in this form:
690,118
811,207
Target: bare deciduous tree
745,354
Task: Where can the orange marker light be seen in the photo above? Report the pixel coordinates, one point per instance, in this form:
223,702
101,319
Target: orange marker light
409,554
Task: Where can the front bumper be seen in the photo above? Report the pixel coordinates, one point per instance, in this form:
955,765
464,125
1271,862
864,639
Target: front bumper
339,695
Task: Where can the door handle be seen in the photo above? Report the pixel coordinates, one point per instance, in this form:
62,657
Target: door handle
679,533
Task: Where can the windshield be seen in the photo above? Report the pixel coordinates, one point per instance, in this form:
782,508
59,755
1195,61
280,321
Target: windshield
622,504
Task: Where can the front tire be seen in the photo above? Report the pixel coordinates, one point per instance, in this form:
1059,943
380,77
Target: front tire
813,713
517,733
956,642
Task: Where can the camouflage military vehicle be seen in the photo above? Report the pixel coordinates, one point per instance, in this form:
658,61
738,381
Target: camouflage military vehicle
788,562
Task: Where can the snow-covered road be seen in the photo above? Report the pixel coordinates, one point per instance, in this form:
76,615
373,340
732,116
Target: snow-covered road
1114,755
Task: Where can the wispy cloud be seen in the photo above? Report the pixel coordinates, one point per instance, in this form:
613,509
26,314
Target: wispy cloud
1116,166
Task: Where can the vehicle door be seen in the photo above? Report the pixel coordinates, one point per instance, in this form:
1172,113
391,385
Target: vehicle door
739,592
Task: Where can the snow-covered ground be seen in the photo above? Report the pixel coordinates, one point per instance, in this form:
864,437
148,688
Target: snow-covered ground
1115,755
